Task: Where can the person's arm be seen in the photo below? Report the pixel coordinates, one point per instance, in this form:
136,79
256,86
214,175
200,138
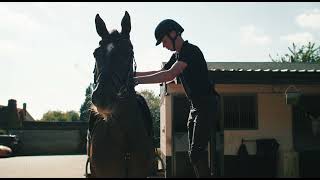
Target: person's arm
162,76
166,67
146,73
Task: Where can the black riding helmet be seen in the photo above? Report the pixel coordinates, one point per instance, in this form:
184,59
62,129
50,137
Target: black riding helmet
165,27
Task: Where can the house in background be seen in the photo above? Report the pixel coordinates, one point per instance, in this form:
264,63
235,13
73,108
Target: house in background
12,117
41,137
258,111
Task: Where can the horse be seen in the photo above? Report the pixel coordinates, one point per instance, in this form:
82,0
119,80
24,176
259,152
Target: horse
120,142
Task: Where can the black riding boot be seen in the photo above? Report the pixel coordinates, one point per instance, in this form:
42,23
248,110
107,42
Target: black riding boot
201,166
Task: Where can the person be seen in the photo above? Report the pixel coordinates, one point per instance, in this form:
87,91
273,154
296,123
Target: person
5,151
189,65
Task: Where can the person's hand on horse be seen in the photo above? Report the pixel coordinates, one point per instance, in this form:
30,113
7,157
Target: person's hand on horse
135,81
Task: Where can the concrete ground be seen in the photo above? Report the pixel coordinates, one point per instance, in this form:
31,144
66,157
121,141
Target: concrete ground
58,166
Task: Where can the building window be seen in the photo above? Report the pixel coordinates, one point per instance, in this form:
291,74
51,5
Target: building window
240,112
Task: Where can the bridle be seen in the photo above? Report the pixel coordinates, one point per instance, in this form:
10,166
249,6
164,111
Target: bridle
123,89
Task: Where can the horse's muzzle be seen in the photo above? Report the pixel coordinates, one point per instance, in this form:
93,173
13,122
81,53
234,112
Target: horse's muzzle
97,99
101,96
97,95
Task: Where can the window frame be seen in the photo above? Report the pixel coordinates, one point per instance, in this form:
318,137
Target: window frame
255,104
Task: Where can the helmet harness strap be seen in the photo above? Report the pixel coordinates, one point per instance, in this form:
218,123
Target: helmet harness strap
173,39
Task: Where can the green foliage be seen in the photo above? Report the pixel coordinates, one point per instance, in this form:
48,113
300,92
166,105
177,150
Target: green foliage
71,116
154,105
68,116
84,109
306,53
3,131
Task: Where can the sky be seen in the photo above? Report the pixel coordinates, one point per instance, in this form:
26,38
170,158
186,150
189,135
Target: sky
46,48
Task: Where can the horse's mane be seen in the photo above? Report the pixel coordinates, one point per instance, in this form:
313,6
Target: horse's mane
147,113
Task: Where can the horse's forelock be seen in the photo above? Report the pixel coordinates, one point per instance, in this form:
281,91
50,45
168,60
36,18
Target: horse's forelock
113,35
114,32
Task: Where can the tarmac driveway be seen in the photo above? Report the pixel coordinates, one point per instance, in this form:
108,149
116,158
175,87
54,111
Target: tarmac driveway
57,166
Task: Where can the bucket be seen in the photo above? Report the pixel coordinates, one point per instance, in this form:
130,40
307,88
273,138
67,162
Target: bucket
292,98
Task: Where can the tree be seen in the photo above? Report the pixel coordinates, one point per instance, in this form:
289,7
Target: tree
68,116
73,116
84,109
306,53
154,106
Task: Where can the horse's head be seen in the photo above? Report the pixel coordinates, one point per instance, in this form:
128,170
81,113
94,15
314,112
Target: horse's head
113,68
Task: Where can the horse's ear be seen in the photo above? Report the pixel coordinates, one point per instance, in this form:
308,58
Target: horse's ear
126,24
101,27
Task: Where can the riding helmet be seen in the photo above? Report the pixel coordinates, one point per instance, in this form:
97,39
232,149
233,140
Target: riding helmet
164,27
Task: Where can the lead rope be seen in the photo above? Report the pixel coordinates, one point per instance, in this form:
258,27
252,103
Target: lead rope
89,139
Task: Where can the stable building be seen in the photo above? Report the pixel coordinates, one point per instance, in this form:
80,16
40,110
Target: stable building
269,121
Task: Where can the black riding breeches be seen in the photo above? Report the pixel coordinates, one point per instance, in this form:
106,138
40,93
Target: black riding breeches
201,122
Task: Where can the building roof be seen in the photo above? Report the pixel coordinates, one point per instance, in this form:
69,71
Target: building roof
28,116
263,73
264,67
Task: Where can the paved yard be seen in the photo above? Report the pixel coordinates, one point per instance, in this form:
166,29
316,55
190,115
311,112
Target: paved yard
60,166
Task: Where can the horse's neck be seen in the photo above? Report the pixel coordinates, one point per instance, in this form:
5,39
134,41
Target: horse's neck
124,106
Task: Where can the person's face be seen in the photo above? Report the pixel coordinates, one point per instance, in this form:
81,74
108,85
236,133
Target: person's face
167,43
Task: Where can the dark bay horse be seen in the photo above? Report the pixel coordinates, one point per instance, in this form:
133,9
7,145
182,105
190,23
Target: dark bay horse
121,138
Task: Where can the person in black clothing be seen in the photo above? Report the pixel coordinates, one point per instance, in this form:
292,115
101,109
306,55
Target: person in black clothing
189,65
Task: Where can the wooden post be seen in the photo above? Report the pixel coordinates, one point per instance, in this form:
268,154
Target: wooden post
216,148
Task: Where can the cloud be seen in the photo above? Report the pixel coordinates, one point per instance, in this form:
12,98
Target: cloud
13,51
151,58
16,21
298,38
309,19
251,35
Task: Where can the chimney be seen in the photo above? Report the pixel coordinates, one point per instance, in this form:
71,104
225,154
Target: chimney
12,114
25,108
12,104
